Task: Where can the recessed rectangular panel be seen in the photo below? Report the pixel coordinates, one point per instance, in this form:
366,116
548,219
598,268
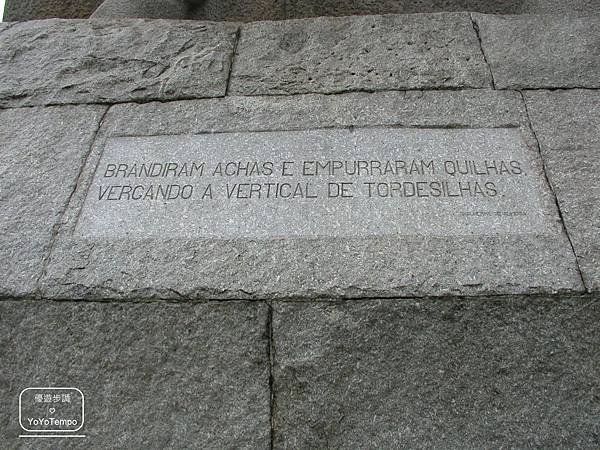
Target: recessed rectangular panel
334,182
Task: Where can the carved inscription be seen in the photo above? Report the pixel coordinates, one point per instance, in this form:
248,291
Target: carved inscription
357,182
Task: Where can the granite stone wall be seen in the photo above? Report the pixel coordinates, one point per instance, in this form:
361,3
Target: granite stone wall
382,341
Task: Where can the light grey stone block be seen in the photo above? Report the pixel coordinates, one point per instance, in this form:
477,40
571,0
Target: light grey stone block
59,61
150,265
541,51
567,124
153,375
344,183
43,151
20,10
329,55
500,373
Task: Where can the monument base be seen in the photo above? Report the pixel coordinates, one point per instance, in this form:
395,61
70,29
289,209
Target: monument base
366,231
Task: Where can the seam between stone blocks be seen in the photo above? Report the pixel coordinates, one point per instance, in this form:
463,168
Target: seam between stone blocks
271,359
9,25
62,212
238,34
476,28
548,181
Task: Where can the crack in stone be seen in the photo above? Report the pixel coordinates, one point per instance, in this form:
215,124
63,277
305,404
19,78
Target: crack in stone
238,34
476,28
556,202
64,208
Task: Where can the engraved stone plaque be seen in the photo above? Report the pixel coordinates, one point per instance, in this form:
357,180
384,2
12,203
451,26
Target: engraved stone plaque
330,182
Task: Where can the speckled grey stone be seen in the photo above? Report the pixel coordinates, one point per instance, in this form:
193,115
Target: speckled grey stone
311,8
62,61
479,373
149,9
153,375
567,124
358,182
249,10
43,150
359,53
19,10
242,10
230,10
541,51
169,267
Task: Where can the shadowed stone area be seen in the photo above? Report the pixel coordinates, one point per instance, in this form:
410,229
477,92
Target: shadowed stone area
77,61
41,159
542,51
510,372
312,8
157,265
328,55
19,10
230,10
251,10
153,375
567,124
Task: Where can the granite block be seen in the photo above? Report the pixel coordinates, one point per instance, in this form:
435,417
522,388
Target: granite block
20,10
99,61
541,51
186,264
327,55
567,124
152,375
43,151
478,373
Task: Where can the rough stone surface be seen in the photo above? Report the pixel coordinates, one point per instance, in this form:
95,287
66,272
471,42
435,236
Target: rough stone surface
153,9
250,10
504,373
153,375
231,10
281,268
541,51
43,150
19,10
246,11
61,61
567,124
312,8
359,53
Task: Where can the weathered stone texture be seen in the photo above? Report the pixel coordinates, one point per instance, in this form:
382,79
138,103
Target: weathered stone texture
245,11
280,268
358,53
60,61
19,10
153,375
230,10
504,373
541,51
43,150
251,10
567,124
312,8
149,9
